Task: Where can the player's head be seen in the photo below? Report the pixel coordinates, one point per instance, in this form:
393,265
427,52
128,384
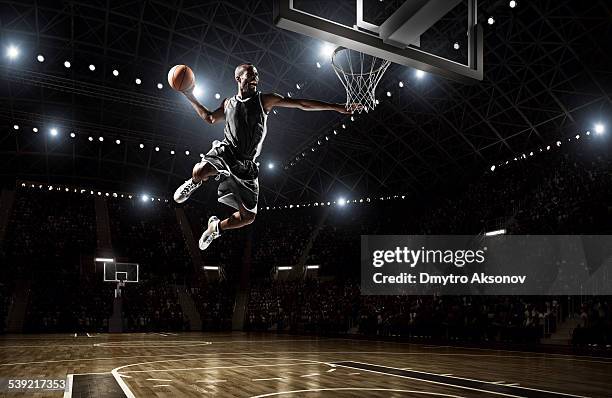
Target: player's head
247,77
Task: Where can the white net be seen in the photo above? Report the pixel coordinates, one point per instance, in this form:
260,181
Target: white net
359,74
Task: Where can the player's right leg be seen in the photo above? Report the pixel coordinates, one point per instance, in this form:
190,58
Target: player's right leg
201,172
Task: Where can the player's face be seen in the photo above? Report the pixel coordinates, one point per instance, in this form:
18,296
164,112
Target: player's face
249,79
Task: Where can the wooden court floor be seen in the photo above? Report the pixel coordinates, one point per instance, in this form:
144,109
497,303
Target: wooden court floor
261,365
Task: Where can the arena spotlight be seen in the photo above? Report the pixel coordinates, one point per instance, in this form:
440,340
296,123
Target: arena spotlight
270,165
115,72
105,260
160,86
210,268
558,143
72,135
312,267
40,58
144,197
600,128
456,46
172,152
493,168
34,129
141,146
138,81
512,4
284,268
217,96
318,65
388,93
491,21
54,132
326,51
117,142
186,153
67,64
90,138
101,139
197,90
12,52
16,127
92,67
156,149
419,74
401,84
496,232
341,202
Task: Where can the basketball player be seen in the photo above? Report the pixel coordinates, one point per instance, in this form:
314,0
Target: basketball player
233,159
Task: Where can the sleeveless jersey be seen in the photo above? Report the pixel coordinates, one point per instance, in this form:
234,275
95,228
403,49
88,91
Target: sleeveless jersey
245,126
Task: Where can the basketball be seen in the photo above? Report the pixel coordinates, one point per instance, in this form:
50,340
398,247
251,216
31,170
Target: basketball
181,77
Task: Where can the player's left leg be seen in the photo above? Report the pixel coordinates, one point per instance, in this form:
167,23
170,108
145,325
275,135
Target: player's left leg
238,219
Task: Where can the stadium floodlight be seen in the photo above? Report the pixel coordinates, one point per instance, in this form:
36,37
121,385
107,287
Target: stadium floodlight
284,268
67,64
341,202
456,46
270,165
491,20
144,197
512,3
40,58
115,72
210,268
318,65
496,232
141,146
419,74
138,81
105,260
217,96
326,51
72,135
197,91
34,129
117,142
12,52
312,267
160,86
156,149
92,67
600,128
186,153
101,139
16,127
54,132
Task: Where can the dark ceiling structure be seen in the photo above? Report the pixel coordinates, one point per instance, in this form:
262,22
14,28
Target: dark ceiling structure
548,75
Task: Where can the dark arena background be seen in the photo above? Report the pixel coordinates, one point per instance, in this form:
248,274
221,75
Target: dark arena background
493,121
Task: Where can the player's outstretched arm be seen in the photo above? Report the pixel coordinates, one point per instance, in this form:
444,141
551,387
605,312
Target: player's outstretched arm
208,116
275,100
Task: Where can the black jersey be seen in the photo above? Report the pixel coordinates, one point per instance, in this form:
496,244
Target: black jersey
245,125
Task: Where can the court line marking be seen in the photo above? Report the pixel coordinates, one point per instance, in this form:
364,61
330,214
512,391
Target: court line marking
271,378
465,378
212,367
129,394
207,381
68,391
311,375
426,381
355,389
159,380
331,370
161,385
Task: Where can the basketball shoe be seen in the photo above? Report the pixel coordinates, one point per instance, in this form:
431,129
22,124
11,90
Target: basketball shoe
211,233
183,192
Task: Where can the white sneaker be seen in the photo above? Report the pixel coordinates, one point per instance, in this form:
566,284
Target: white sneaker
211,233
183,192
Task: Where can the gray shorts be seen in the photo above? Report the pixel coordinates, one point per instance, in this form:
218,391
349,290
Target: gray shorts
239,178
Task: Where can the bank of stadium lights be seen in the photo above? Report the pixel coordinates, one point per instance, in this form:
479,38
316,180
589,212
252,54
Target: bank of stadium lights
40,58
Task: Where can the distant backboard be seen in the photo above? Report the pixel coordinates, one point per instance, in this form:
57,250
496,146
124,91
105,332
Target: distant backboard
120,272
436,36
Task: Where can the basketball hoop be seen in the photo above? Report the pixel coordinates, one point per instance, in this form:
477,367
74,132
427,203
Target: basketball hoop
359,74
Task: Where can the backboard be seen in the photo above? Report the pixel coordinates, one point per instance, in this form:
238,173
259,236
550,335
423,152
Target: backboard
121,272
435,36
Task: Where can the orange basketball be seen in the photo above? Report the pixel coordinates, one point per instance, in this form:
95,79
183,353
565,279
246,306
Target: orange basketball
181,77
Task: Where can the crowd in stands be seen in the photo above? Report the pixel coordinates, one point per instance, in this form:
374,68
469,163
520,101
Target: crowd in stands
50,232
